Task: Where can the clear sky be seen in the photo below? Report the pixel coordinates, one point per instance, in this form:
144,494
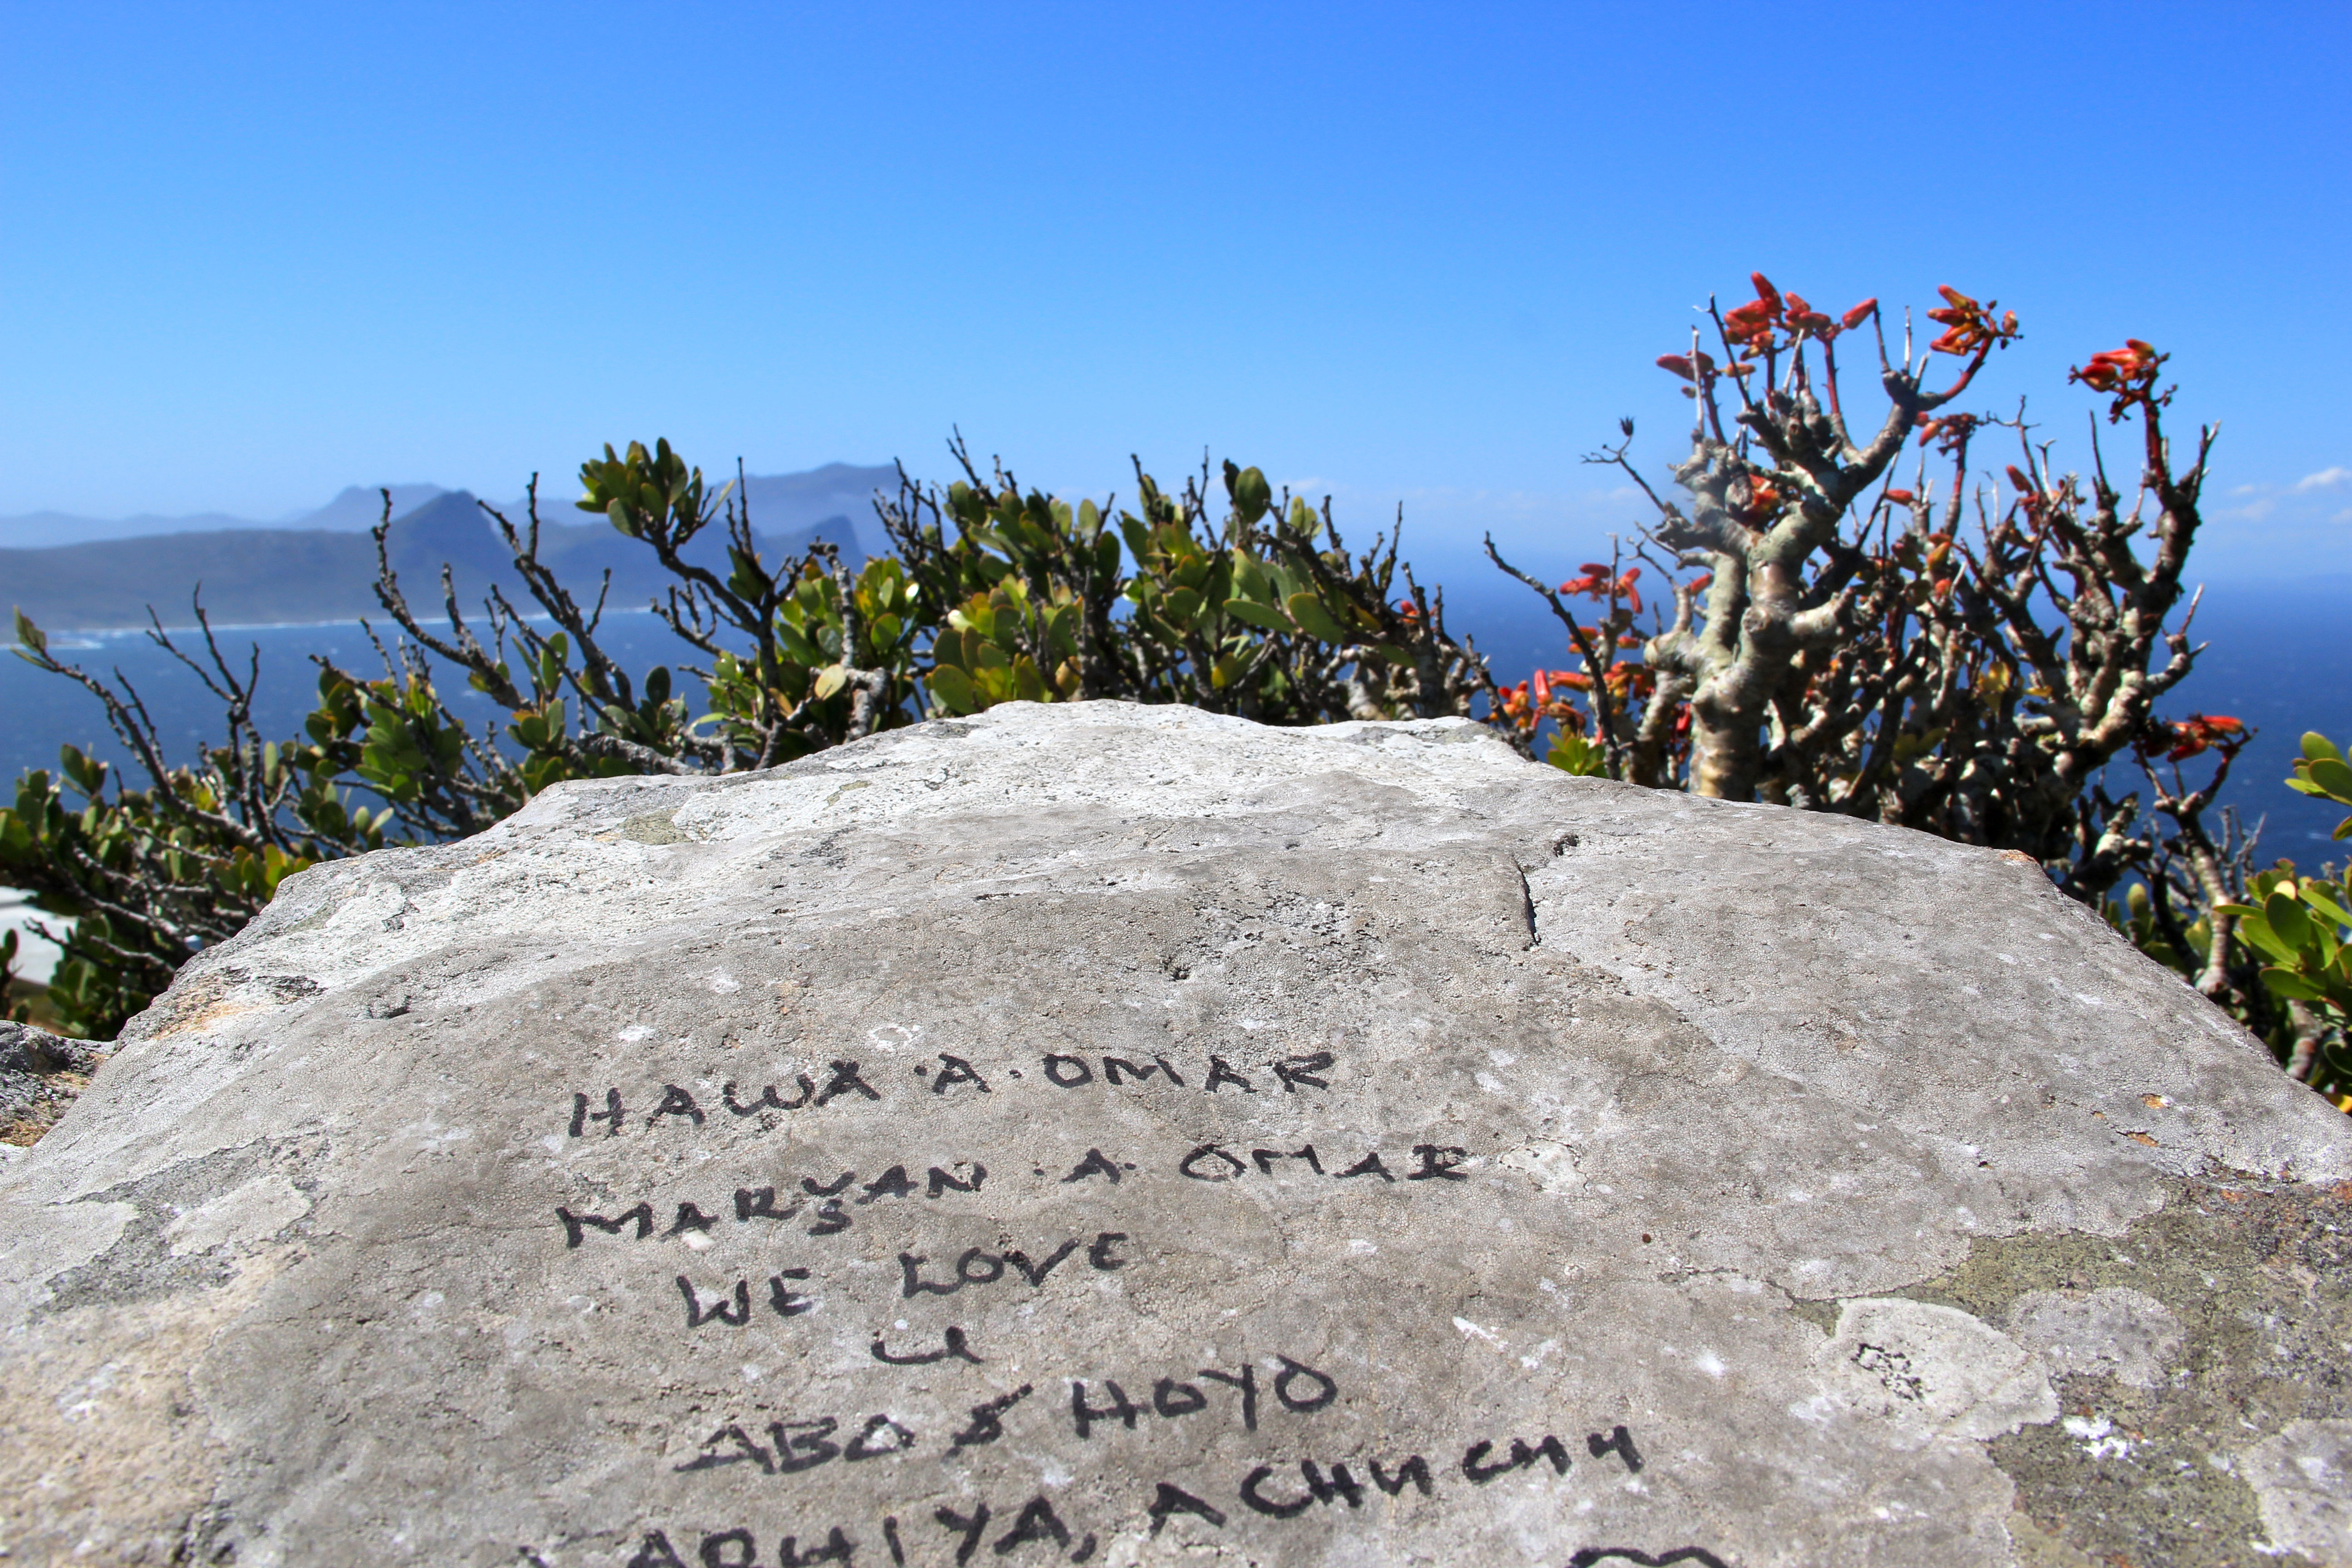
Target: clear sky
254,253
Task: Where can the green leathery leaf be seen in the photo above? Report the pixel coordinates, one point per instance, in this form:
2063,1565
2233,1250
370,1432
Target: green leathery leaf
952,687
1250,581
797,645
1253,496
830,679
2317,745
2257,934
2331,775
1257,615
2288,919
2327,906
1315,620
2296,988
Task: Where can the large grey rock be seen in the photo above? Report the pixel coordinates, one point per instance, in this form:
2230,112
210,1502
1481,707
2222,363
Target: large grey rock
1394,1152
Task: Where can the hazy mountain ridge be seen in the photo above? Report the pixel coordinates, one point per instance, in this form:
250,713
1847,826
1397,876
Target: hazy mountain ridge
834,489
258,574
357,508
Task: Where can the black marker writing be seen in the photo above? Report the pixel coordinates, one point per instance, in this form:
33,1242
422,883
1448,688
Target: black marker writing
955,1070
573,1232
844,1081
956,1345
987,1420
610,1114
697,1314
1475,1465
767,1101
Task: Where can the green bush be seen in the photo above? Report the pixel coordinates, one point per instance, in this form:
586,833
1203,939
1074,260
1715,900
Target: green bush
992,594
1822,631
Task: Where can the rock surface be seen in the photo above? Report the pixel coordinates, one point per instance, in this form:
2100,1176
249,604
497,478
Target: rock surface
1101,1134
40,1075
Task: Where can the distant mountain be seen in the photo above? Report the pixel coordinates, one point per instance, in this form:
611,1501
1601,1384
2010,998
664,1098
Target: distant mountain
361,507
838,497
780,503
268,575
358,508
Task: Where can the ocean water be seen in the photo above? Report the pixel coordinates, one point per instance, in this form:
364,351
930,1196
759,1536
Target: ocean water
2273,659
2276,657
39,711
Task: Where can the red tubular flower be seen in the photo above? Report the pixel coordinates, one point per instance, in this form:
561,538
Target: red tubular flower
1970,326
2017,477
1806,322
2129,372
1901,497
1763,501
1951,431
1766,295
2197,733
1860,313
1751,325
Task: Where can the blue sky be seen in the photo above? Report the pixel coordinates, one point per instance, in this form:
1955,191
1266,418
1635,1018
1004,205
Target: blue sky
254,253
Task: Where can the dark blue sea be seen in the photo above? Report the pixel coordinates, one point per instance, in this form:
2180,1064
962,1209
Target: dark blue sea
2273,659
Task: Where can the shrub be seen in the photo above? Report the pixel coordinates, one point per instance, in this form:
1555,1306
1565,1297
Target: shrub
1820,632
992,593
